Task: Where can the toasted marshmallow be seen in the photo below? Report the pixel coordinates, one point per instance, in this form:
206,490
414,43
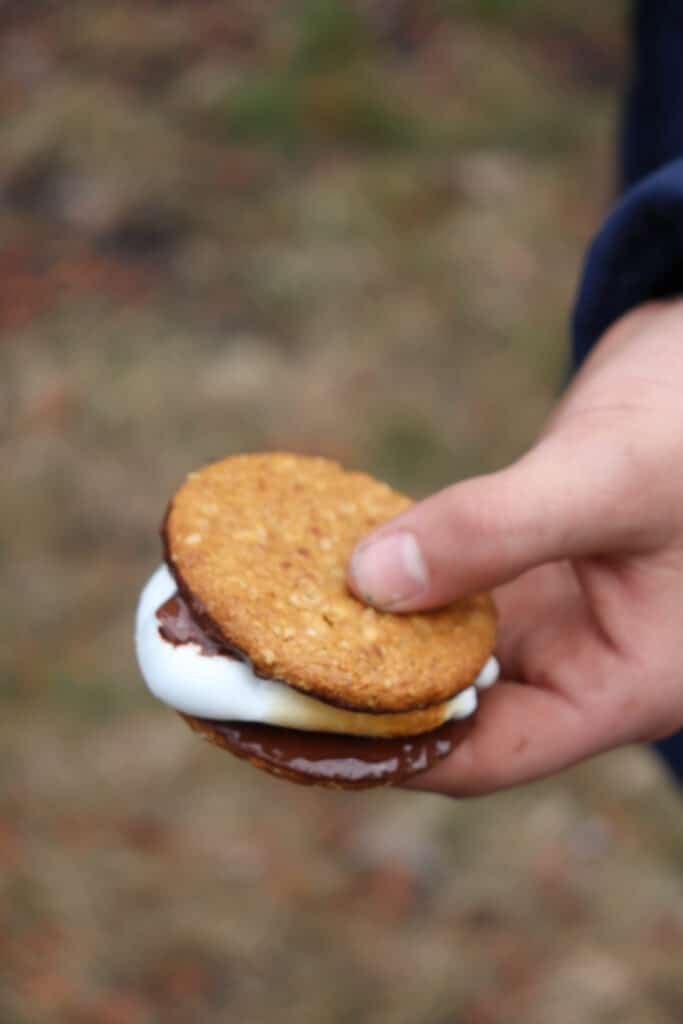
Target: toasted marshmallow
223,688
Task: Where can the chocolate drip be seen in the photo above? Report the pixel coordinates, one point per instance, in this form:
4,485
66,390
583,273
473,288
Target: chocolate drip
329,759
178,626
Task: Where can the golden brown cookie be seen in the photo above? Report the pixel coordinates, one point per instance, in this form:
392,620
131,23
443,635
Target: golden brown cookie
259,546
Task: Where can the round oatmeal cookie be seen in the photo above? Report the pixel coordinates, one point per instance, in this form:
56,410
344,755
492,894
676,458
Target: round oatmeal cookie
259,546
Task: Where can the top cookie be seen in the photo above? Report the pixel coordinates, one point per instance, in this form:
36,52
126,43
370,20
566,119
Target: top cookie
259,545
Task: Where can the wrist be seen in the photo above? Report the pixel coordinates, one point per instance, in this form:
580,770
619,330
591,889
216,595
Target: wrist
637,320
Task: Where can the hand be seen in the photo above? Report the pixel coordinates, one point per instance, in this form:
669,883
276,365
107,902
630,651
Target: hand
582,539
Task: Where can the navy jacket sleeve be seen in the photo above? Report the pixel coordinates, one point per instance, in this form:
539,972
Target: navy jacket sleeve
638,253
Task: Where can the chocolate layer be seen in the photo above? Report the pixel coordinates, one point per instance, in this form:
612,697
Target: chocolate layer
177,625
326,759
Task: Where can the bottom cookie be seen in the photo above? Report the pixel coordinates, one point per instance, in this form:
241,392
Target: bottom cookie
326,759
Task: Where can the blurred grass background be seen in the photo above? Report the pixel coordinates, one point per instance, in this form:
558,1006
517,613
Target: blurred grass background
352,228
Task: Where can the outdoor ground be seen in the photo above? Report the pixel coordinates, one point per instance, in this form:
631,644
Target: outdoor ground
350,228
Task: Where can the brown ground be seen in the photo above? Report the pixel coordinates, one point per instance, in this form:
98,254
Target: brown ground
256,225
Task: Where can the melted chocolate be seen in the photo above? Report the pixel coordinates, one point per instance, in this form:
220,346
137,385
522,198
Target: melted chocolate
329,759
177,625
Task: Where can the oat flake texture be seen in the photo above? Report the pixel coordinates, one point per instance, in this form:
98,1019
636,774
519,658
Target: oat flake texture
260,543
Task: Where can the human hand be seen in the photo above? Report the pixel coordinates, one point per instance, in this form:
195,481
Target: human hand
582,539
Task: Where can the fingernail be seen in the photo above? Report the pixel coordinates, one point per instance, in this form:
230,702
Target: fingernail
390,570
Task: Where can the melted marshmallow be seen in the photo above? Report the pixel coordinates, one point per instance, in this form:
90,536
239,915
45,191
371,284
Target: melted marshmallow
226,689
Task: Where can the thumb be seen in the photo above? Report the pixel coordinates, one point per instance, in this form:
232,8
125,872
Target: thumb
561,500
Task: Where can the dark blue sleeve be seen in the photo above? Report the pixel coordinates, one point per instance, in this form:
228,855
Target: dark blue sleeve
638,253
653,122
